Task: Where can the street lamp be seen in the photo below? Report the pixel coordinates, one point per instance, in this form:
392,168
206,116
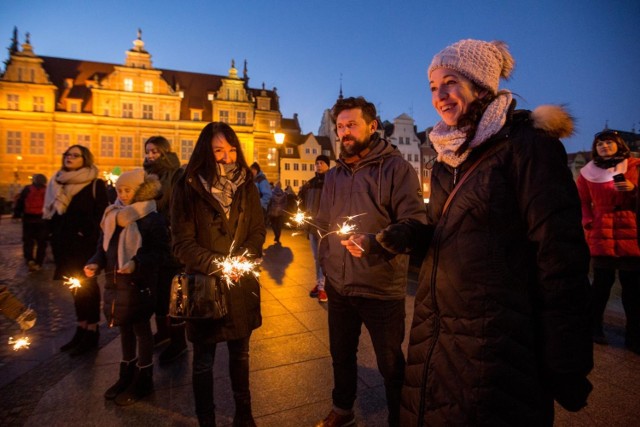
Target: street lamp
279,138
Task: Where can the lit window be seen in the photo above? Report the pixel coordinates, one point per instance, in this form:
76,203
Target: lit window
62,143
38,103
36,144
272,155
126,147
148,86
127,110
106,146
224,116
147,111
14,142
128,85
186,148
13,101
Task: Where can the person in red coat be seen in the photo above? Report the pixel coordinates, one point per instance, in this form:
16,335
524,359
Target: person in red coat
608,195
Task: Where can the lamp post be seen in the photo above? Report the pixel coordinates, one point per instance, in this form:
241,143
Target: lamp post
279,138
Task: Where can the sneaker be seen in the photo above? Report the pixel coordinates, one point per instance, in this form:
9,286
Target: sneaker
322,296
314,292
336,420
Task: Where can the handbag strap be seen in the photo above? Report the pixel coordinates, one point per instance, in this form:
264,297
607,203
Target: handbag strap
475,164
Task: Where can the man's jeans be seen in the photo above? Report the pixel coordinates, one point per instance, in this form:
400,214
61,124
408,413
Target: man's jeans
384,320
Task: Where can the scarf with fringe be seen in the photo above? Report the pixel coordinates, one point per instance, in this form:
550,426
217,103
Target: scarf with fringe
230,177
125,216
447,139
62,188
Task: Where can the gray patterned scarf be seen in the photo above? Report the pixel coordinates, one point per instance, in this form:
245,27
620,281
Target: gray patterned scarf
230,177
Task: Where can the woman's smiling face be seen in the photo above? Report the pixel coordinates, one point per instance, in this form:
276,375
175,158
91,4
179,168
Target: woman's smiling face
451,94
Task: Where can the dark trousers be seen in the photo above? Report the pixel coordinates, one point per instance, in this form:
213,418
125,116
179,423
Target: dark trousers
137,334
34,234
203,359
603,280
384,320
276,224
86,300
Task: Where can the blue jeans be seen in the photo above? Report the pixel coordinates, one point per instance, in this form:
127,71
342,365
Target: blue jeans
384,320
315,240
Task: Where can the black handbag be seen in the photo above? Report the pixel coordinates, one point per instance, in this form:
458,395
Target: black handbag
197,296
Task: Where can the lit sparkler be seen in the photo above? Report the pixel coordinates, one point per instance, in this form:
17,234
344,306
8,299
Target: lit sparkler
347,228
72,283
300,218
20,343
234,267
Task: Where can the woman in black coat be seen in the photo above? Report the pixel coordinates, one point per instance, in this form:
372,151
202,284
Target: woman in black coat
501,323
216,212
74,203
159,160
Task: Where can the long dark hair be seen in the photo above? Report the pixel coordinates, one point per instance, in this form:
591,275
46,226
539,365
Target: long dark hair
203,161
87,157
622,153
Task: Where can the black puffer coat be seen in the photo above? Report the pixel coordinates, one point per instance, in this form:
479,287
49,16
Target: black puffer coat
130,298
201,233
501,324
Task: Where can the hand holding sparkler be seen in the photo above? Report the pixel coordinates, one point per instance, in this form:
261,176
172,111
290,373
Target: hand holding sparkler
72,283
355,244
90,270
19,343
234,267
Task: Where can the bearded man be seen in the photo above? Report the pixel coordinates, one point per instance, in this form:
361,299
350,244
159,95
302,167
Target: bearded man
371,188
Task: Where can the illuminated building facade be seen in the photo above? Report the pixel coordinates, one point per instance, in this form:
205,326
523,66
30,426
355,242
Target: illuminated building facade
48,104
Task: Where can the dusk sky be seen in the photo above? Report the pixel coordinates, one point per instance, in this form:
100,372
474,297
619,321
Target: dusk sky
583,54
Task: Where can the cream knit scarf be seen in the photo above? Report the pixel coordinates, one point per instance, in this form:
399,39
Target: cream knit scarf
446,139
230,177
125,216
62,188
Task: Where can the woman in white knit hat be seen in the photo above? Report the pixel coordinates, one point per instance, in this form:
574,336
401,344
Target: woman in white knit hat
501,321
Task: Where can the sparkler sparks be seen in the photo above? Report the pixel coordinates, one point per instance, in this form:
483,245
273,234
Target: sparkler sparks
72,283
20,343
347,228
234,267
300,218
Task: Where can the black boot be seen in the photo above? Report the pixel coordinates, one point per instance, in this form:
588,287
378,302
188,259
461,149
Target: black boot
127,373
203,394
162,335
88,343
178,345
140,387
243,416
77,337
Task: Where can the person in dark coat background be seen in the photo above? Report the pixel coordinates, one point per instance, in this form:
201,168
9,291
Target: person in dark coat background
216,212
133,245
74,203
501,323
161,161
34,228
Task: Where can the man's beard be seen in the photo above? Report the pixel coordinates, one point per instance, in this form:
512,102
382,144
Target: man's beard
357,147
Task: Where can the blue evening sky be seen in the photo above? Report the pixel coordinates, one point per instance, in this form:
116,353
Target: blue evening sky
582,53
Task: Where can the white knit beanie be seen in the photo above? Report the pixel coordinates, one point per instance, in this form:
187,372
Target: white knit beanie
133,178
482,62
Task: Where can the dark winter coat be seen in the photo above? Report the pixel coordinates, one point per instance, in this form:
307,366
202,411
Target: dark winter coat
382,189
75,233
167,169
201,233
278,203
501,322
130,298
310,194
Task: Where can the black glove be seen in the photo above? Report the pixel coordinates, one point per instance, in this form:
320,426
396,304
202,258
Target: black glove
571,391
395,239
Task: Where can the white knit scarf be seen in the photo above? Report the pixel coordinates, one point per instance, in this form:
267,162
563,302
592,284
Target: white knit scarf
447,139
125,216
62,188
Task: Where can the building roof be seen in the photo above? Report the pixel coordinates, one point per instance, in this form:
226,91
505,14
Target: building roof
196,86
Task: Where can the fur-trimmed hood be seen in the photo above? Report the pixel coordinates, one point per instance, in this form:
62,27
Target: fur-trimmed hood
150,189
553,119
